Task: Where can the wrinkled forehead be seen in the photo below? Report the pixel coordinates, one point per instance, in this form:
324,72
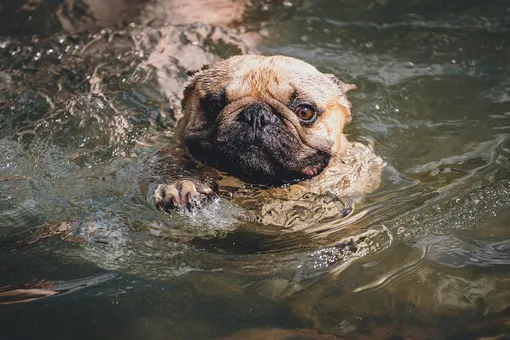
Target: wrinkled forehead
261,76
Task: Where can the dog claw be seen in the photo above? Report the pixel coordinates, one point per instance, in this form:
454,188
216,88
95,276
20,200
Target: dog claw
182,194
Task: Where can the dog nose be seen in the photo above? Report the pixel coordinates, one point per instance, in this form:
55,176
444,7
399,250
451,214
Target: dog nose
257,114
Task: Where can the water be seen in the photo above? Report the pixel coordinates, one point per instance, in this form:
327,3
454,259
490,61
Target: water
81,104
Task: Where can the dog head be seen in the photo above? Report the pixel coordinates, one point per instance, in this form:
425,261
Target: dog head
266,120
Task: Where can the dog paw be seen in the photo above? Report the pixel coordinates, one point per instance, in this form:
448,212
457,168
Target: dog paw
184,193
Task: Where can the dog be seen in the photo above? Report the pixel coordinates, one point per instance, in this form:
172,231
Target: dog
266,132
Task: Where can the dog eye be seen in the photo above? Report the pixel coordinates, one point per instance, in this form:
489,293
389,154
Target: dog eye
306,113
213,104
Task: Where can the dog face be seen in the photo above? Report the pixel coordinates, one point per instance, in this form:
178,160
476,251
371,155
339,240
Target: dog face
267,120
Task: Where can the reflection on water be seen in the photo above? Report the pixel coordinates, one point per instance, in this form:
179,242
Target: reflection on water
81,105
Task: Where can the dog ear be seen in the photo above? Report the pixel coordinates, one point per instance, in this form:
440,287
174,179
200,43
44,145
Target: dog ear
343,89
188,91
192,73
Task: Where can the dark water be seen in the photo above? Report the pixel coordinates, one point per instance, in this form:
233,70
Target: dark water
82,256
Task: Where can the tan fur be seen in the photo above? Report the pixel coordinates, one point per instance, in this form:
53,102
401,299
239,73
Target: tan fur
273,79
354,169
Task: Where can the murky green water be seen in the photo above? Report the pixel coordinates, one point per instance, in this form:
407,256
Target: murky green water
79,112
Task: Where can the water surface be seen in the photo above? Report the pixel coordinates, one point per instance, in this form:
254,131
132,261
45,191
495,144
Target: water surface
80,110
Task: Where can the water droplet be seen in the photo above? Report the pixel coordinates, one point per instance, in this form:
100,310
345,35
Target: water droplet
454,61
376,106
265,7
304,38
3,44
287,4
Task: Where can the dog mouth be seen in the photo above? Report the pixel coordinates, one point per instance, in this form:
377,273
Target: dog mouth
312,170
271,159
258,165
316,168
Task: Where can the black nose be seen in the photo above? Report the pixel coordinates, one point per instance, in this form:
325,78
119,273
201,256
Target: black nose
257,114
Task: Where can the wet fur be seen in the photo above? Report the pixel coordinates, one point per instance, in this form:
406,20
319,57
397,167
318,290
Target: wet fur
212,131
278,152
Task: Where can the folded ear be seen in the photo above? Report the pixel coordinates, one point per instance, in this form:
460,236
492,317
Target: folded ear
190,87
192,73
188,91
342,99
343,87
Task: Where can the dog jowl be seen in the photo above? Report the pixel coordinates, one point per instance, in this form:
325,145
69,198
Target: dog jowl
265,120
